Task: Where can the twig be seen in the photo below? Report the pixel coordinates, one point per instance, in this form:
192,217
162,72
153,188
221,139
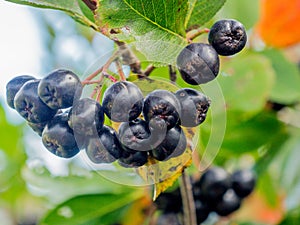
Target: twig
92,4
129,58
191,35
148,70
172,73
189,211
120,70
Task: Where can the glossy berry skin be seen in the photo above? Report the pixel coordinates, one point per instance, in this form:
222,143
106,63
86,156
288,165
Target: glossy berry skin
229,203
194,106
227,37
243,182
60,89
86,117
202,211
13,86
122,101
132,159
105,148
214,183
28,104
140,135
132,134
198,63
58,137
162,104
173,145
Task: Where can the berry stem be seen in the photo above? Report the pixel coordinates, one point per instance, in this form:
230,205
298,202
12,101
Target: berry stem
191,35
172,73
189,209
100,70
120,70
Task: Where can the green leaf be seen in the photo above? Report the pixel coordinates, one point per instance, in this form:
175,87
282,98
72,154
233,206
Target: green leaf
251,134
292,218
155,28
286,89
89,209
201,11
75,9
247,82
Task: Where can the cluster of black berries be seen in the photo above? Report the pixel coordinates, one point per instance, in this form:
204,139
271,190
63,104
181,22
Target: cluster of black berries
216,191
150,126
199,63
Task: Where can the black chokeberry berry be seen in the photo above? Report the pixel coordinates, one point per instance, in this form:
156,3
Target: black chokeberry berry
162,104
229,203
58,137
228,37
198,63
86,117
214,183
132,159
30,106
37,127
243,182
105,148
169,201
122,101
173,145
202,211
194,106
60,89
13,86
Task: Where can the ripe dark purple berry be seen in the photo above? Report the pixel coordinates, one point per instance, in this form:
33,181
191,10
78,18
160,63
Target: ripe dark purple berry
13,86
105,148
198,63
214,183
227,37
229,203
194,106
243,182
162,104
37,127
173,145
132,159
86,117
58,137
30,106
60,89
122,101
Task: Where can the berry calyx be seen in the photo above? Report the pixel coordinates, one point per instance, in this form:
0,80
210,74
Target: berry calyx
227,37
60,89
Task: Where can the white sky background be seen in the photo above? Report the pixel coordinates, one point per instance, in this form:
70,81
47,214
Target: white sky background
20,46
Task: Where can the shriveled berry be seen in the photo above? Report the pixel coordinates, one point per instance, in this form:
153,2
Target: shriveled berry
60,89
198,63
227,37
30,106
194,106
13,86
243,182
105,148
122,101
86,117
58,137
162,104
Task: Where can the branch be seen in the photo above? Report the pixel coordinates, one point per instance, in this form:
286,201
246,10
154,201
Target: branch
189,210
191,35
92,4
